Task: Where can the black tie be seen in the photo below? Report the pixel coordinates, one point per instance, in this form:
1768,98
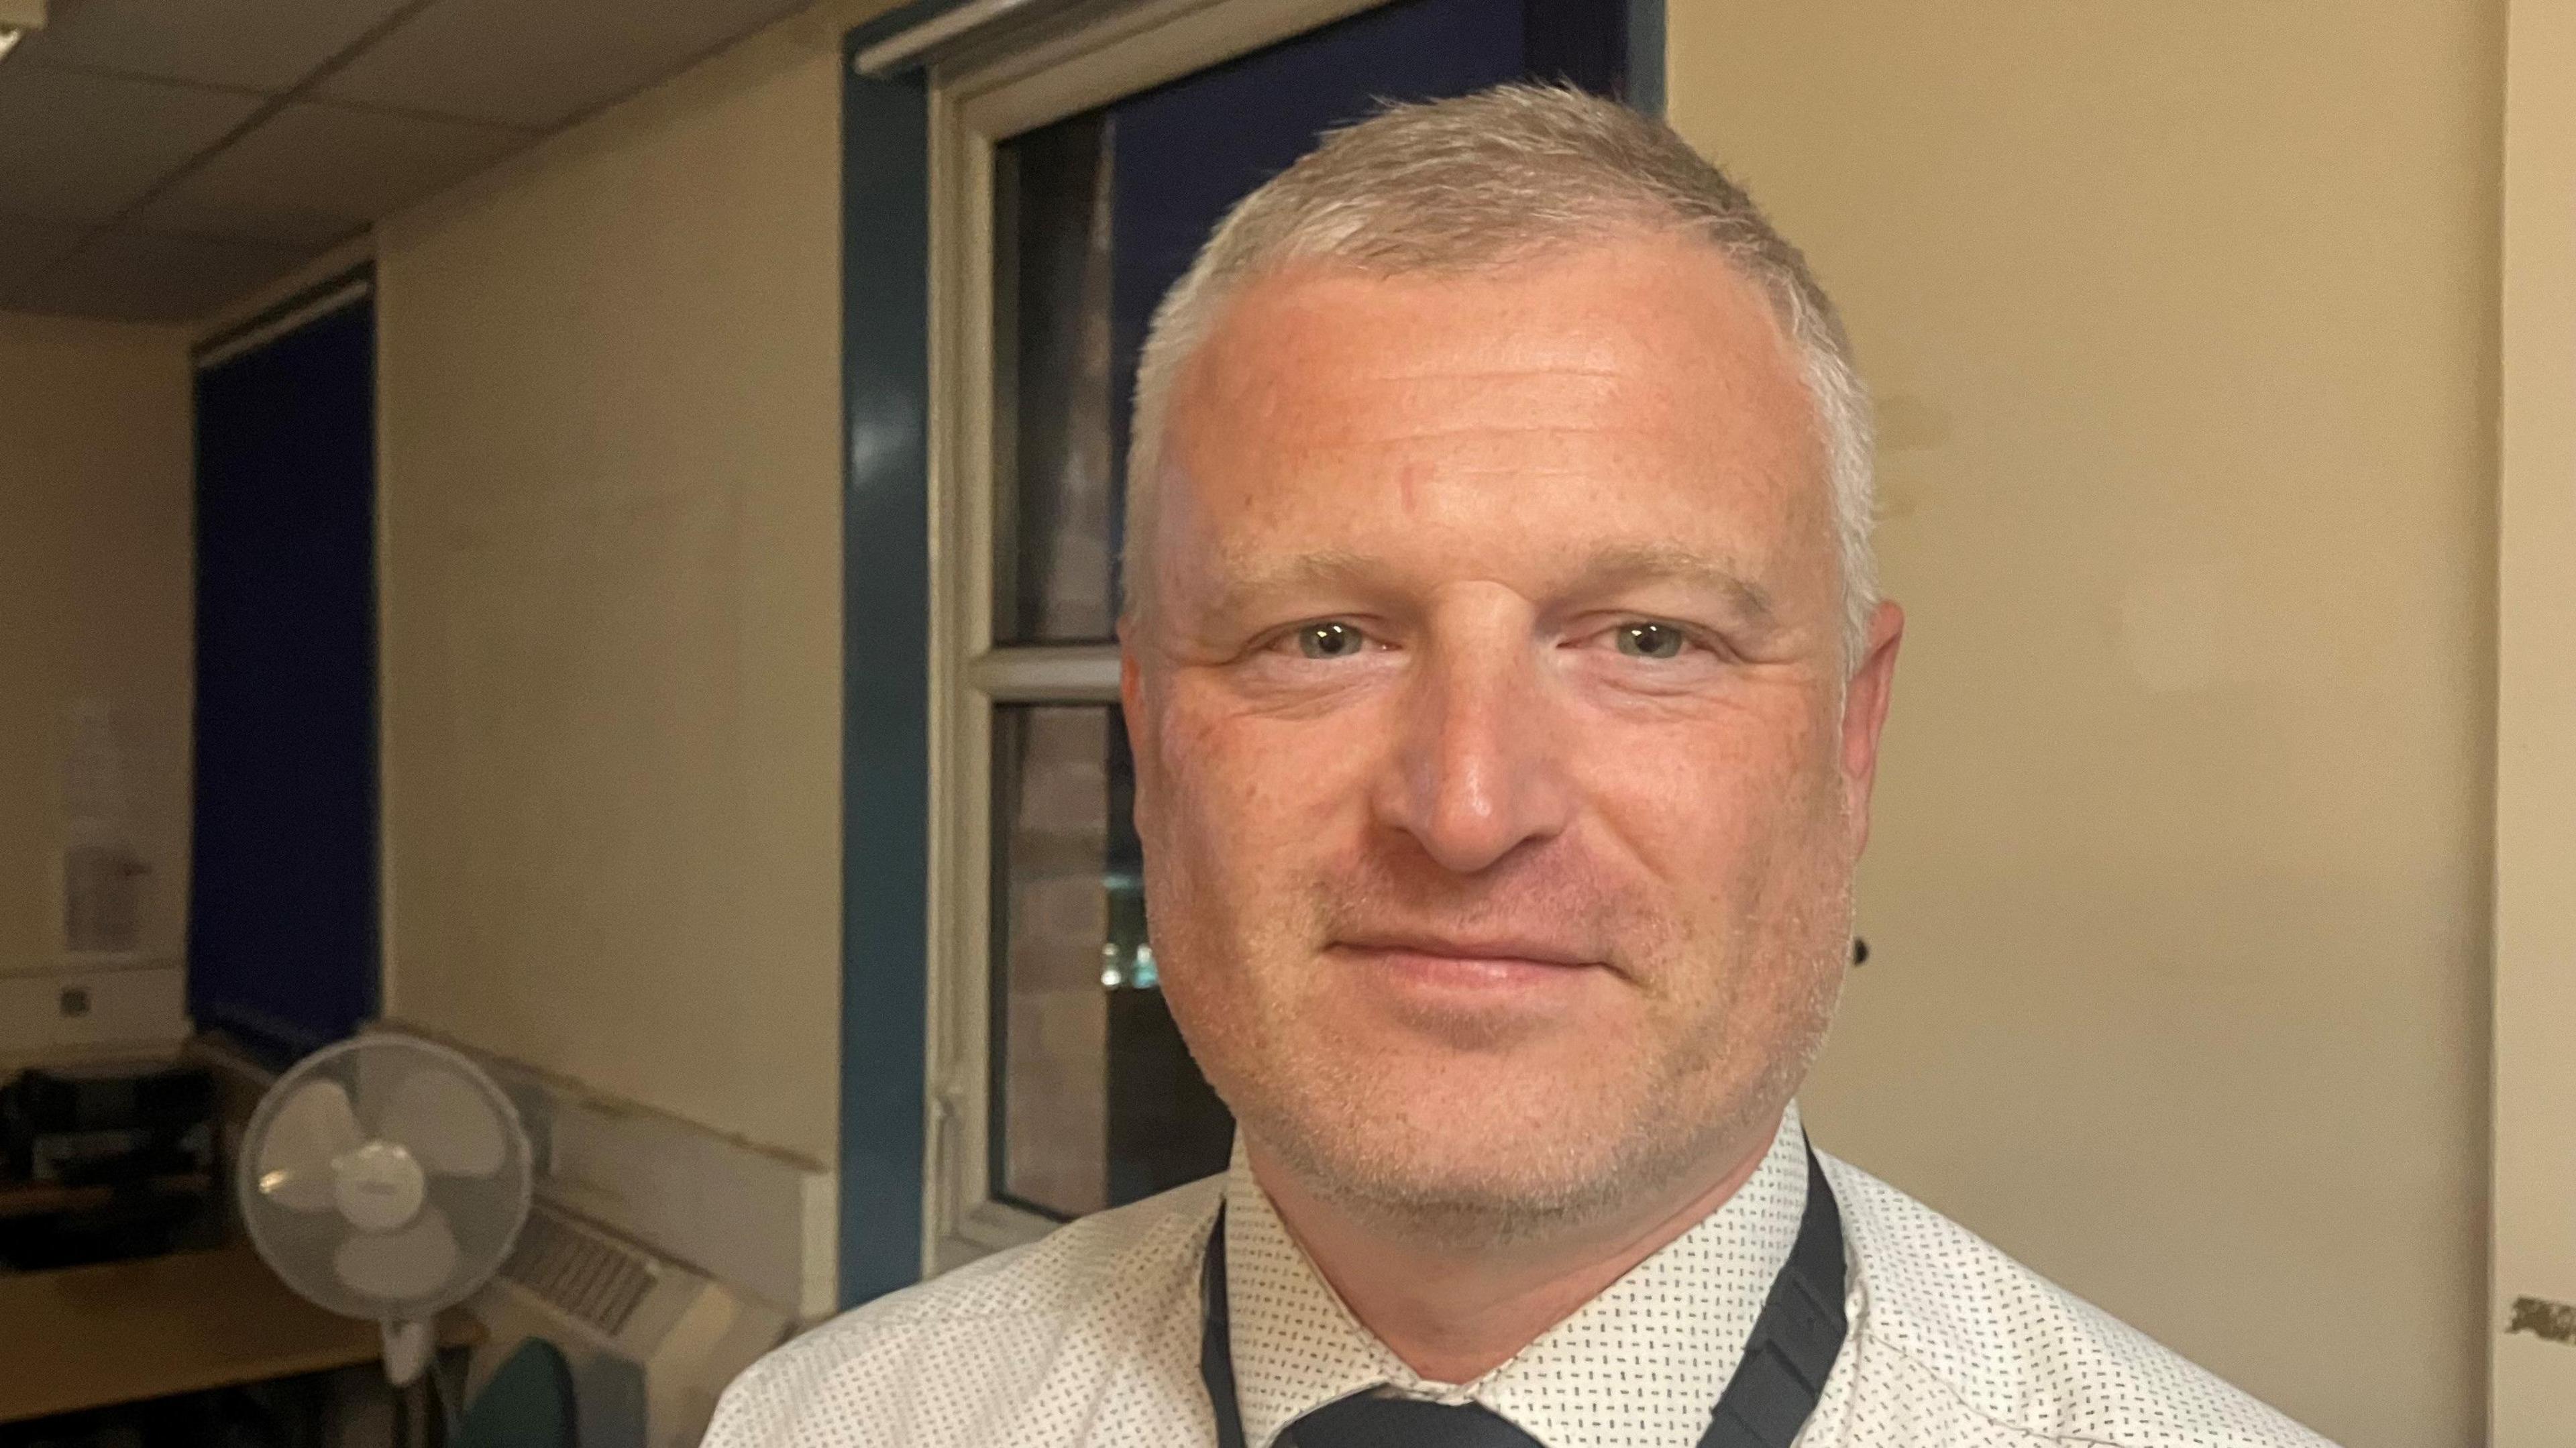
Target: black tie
1365,1421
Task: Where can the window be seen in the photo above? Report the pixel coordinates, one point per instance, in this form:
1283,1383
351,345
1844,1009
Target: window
1074,172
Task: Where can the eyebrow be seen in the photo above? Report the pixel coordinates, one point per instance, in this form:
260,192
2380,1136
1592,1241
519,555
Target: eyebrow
1616,566
1633,563
1245,582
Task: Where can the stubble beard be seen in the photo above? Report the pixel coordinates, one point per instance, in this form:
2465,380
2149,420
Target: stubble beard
1691,1108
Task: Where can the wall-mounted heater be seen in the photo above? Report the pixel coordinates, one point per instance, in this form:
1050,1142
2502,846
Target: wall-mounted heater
651,1343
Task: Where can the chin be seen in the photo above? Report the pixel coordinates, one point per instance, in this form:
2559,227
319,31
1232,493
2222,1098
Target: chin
1487,1202
1478,1168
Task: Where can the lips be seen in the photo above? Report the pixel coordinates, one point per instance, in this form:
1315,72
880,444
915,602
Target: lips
1480,966
1475,994
1498,949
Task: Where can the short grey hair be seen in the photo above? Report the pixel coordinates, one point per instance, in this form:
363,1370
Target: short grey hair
1477,183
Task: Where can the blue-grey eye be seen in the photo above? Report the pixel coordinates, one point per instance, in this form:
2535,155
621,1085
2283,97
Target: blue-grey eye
1329,641
1649,640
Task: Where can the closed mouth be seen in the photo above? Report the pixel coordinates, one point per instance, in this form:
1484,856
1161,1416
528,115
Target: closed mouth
1501,949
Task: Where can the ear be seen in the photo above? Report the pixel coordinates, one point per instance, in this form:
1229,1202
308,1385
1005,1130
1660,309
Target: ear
1865,714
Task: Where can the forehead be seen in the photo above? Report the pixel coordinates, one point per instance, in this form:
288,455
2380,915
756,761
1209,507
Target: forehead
1641,388
1648,307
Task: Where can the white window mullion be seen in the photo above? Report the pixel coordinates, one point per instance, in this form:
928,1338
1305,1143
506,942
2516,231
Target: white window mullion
1048,674
960,485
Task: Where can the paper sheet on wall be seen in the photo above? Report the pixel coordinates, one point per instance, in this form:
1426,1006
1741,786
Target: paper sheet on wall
102,876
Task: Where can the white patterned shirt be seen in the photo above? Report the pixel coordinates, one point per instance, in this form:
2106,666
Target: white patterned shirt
1090,1339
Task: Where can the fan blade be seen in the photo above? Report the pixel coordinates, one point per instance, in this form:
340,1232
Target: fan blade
445,1123
310,1128
400,1266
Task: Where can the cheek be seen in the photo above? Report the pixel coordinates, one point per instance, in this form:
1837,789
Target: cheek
1712,802
1223,855
1250,799
1204,802
1227,890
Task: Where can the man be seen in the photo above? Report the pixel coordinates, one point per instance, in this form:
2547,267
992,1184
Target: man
1505,673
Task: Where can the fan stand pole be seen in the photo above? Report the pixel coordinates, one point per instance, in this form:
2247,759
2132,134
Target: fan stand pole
407,1349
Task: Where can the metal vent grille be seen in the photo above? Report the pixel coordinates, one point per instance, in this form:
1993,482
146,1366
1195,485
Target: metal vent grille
579,1271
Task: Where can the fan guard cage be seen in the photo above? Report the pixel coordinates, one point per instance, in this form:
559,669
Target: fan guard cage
366,1152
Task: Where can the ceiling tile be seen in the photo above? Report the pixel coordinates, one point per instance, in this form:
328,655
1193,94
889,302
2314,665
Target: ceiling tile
313,173
78,147
529,64
262,44
28,247
130,276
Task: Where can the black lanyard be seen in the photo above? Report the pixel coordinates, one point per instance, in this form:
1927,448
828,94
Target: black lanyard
1774,1389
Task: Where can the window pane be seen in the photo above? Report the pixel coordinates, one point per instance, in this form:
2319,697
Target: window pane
1055,490
1096,215
1096,1101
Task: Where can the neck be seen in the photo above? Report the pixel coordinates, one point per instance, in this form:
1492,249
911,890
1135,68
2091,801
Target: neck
1454,1315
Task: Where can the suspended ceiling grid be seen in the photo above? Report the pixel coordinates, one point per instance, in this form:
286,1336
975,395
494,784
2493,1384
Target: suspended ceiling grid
159,158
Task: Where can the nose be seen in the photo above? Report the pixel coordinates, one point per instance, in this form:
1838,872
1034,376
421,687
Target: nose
1480,767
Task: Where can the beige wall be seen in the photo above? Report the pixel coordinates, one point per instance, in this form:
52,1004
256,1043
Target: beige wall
610,437
2534,1391
94,606
2183,317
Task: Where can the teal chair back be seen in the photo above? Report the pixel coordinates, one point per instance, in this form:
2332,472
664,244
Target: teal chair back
527,1404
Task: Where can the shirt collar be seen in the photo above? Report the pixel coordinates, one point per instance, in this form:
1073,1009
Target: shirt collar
1644,1361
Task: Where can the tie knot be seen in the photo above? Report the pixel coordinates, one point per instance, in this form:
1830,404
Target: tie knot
1367,1421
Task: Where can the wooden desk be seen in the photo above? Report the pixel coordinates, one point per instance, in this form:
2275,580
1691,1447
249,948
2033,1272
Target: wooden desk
37,1199
88,1337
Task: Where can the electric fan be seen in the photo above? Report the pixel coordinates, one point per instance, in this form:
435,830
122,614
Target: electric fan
385,1179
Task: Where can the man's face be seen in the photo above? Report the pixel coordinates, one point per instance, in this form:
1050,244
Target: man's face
1498,779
